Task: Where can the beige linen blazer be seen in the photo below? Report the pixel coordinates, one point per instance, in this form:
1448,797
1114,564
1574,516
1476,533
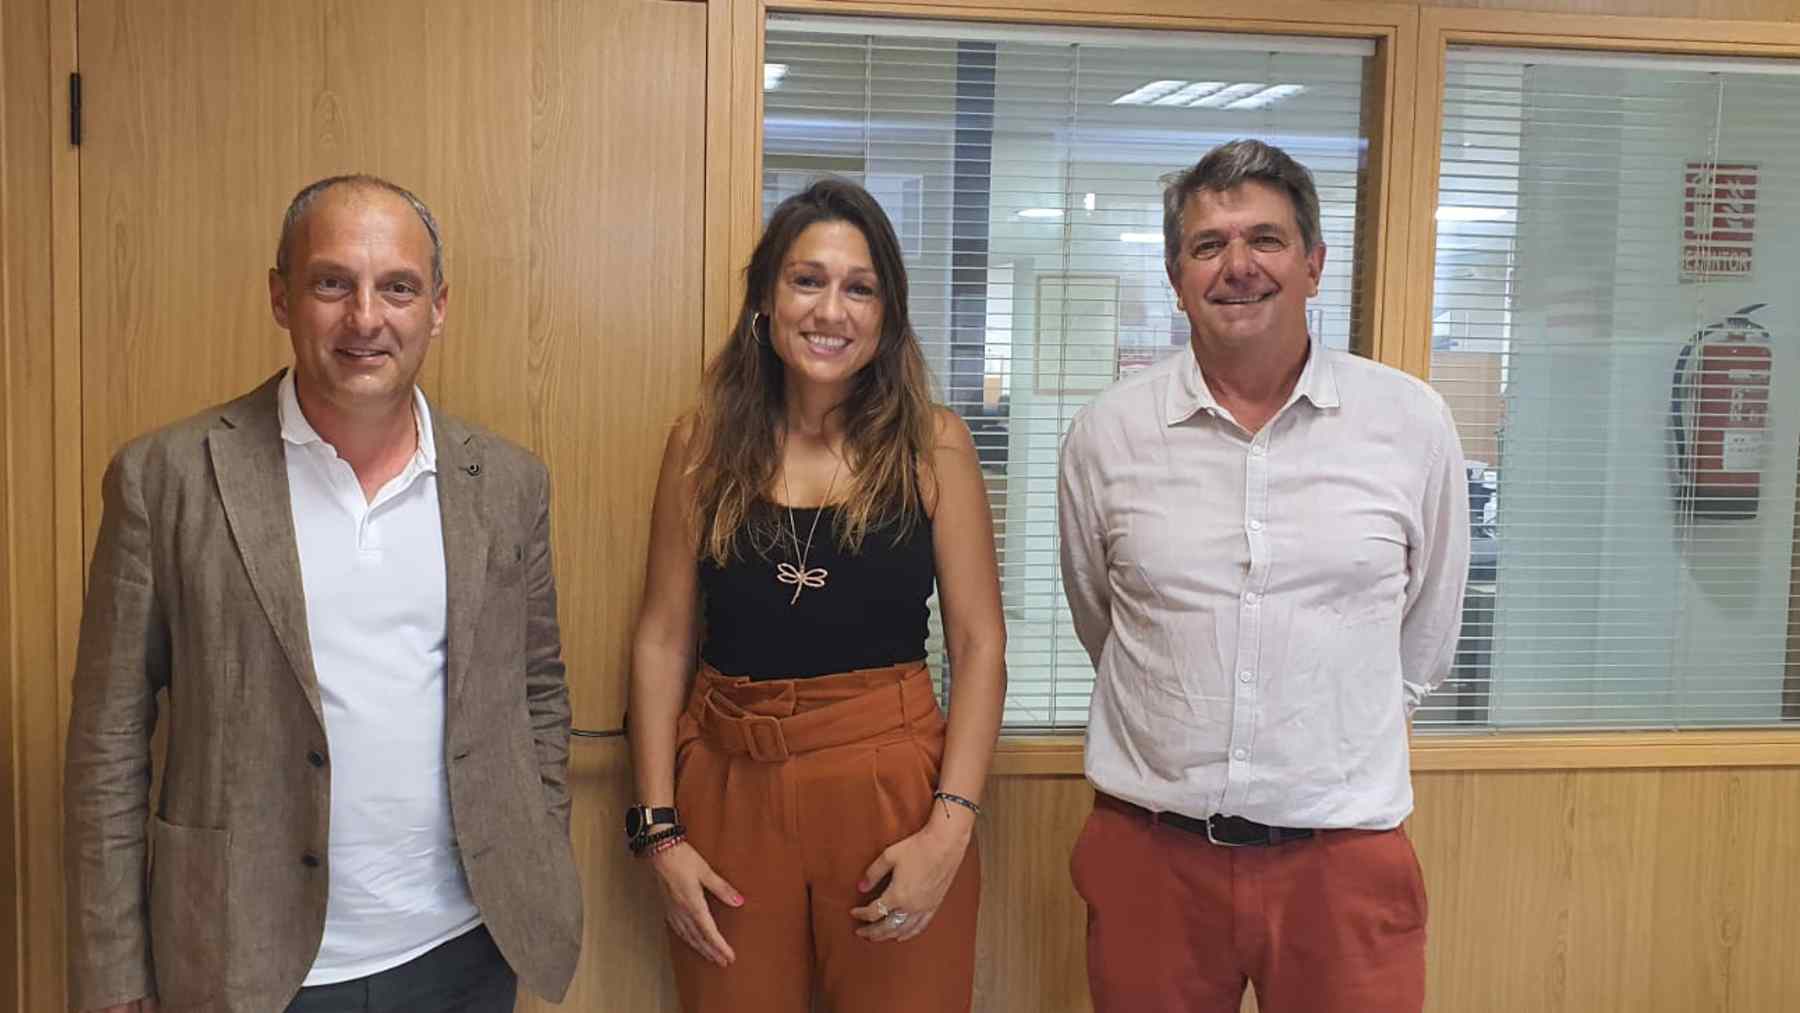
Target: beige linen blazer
216,901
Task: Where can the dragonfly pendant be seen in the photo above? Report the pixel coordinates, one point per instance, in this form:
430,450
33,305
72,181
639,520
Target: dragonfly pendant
788,573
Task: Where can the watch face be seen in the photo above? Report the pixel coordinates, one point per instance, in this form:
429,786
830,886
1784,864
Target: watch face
634,821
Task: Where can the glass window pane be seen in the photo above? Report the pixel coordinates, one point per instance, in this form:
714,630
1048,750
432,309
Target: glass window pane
1613,327
1021,168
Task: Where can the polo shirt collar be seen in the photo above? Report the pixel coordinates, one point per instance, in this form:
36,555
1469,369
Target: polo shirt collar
297,430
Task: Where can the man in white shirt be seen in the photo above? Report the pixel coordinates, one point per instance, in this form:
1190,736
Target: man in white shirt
347,598
1264,547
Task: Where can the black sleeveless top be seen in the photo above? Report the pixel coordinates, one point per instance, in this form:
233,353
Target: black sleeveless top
870,612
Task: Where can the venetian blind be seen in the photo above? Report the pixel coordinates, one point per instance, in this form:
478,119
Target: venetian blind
1020,167
1614,325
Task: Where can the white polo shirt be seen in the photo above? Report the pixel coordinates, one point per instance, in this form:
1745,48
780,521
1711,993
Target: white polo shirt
373,573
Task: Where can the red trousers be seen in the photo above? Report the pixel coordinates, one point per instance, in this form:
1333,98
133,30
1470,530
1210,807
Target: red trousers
1176,924
790,788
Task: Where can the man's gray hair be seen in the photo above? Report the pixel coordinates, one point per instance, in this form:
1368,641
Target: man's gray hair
1233,164
303,202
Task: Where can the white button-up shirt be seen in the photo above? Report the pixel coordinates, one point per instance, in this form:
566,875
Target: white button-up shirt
373,572
1264,611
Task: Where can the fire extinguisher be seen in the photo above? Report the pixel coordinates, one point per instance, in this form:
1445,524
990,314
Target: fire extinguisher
1718,417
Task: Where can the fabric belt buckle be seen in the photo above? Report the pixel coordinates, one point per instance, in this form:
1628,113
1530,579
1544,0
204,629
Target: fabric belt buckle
764,739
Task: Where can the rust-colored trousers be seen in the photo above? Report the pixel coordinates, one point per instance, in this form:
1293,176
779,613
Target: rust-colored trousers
1331,924
790,788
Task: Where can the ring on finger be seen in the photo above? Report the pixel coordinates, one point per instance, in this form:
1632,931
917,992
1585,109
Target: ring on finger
897,918
881,910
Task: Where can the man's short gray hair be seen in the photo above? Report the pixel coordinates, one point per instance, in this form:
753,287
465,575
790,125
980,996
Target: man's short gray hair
303,202
1231,165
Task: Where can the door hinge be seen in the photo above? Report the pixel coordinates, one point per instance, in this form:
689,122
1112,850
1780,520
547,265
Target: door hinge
75,109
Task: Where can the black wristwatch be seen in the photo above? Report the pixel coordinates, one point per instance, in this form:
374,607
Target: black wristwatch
640,818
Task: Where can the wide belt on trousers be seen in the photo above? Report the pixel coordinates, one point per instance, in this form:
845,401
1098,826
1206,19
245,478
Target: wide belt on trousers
1225,831
770,739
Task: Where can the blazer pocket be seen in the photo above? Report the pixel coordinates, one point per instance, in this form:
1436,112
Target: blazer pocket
506,564
187,911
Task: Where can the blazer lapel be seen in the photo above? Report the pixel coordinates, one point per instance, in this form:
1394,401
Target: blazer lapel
460,483
250,466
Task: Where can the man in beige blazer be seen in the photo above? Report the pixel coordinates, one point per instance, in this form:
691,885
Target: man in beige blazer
347,599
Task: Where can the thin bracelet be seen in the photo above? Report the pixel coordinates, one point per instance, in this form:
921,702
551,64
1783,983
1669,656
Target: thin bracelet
661,842
661,846
949,800
639,846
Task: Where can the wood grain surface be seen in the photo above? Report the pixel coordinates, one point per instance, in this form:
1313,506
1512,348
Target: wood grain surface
596,168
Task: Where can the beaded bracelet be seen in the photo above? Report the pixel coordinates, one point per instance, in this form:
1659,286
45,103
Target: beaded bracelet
648,841
949,800
661,846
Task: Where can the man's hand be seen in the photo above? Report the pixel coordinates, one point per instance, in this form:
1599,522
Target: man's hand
134,1006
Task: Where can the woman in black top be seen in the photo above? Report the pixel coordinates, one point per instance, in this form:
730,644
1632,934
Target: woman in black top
805,512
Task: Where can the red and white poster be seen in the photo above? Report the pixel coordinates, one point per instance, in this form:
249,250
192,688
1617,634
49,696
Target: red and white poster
1718,220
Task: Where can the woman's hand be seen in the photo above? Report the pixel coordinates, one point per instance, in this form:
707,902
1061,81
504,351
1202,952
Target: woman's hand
686,879
920,870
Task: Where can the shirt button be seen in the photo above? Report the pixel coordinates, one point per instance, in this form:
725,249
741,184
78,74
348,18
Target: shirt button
1245,676
1257,450
1256,525
315,758
310,860
1251,597
1240,753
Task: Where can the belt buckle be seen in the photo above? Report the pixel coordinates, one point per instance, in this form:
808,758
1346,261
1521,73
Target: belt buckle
763,738
1213,838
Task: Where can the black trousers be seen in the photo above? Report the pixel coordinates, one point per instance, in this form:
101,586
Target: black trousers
465,975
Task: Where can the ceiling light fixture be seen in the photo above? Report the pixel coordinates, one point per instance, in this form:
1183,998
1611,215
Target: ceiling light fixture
1208,94
1268,96
1188,95
1148,93
1040,213
1225,96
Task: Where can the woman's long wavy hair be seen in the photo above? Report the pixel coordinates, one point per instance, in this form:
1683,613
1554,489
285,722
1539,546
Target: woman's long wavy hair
740,423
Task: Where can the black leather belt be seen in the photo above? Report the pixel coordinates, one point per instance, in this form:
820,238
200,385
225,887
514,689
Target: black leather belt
1225,831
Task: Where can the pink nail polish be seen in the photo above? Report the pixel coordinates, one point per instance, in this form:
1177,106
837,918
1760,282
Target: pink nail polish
737,901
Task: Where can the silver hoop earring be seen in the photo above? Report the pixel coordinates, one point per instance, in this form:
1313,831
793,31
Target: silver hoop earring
756,335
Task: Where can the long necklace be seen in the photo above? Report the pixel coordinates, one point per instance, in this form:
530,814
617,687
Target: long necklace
799,576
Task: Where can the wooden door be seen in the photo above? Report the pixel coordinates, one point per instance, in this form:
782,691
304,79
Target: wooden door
561,145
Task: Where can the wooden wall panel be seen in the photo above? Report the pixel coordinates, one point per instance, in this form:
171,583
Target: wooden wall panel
1727,10
616,308
28,699
1032,950
37,322
616,302
564,153
1551,892
177,238
733,155
1322,13
625,956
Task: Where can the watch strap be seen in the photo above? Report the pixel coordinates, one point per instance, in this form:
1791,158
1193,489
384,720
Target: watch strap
647,817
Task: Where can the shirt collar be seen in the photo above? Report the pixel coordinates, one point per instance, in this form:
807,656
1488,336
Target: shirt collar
297,430
1318,381
1188,394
